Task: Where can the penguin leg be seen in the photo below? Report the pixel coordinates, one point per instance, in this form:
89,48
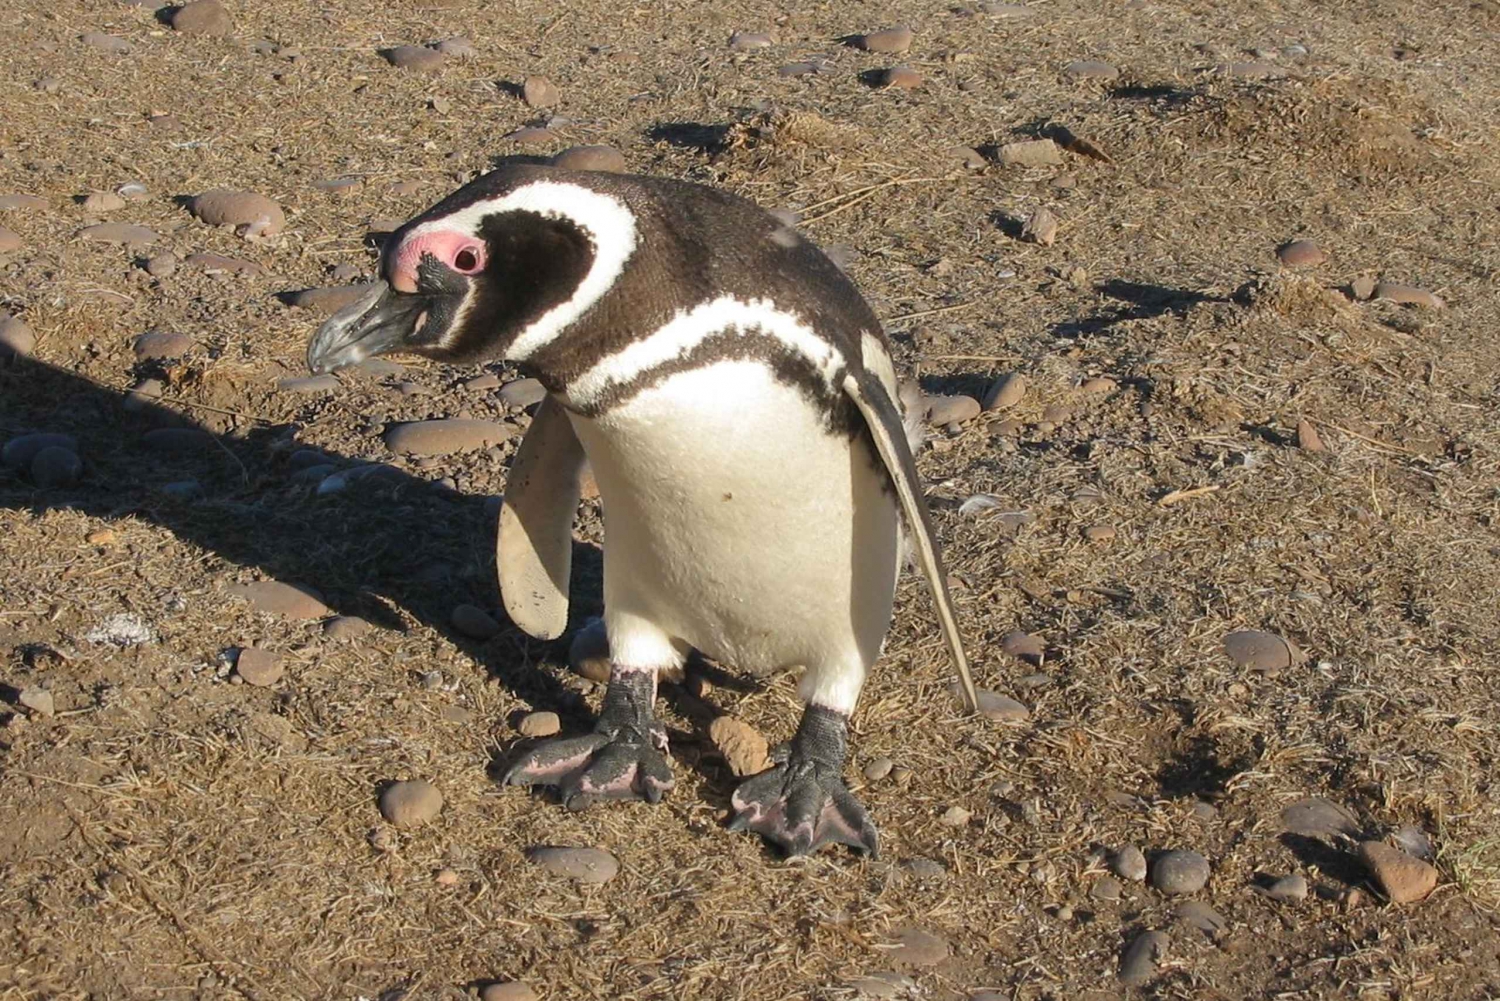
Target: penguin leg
802,802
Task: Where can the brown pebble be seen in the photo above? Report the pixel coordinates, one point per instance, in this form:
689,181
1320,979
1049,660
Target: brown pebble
258,667
744,748
411,803
10,241
22,203
531,136
293,601
878,769
539,92
888,41
543,724
1316,817
1362,287
155,344
100,537
1101,384
162,265
457,48
106,43
346,627
1260,651
446,877
118,232
37,700
1129,863
417,58
916,947
523,393
1409,295
601,158
1178,872
1040,227
993,705
1004,392
482,383
588,654
1307,437
955,816
251,214
16,338
1030,153
1301,254
445,436
513,990
55,466
586,865
971,158
1404,878
1138,962
474,622
901,78
202,17
950,409
1023,645
103,201
745,41
1091,69
1099,533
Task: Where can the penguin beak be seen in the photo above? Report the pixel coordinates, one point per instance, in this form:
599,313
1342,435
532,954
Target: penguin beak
381,320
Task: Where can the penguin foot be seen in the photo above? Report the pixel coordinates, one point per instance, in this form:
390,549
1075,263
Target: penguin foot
624,758
802,803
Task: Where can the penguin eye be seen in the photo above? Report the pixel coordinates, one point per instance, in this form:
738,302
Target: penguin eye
468,260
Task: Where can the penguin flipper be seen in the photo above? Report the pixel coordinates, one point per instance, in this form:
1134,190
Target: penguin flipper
889,434
534,546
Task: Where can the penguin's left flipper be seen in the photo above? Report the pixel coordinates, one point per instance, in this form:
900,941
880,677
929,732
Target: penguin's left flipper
890,437
534,546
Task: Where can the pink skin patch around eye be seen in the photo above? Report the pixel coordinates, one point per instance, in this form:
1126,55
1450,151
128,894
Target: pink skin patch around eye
462,252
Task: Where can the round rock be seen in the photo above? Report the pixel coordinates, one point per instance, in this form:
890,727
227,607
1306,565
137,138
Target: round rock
878,769
162,344
1004,392
744,748
1404,878
523,393
1138,962
1091,69
414,57
258,667
457,48
162,265
346,627
55,466
10,241
586,865
21,450
539,92
888,41
202,17
746,41
411,803
1409,295
544,724
16,338
916,947
951,409
1178,872
1301,254
1129,863
474,622
443,437
1023,645
601,158
512,990
900,78
1260,651
1292,888
294,601
250,213
123,233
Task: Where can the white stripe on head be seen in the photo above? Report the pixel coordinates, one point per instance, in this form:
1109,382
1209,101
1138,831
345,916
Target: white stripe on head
690,328
609,223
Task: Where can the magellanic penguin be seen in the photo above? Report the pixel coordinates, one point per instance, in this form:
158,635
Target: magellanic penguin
736,399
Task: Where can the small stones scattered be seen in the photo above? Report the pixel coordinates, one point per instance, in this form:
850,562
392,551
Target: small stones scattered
474,622
602,158
1040,227
202,17
523,393
1409,295
888,41
1138,962
445,436
744,748
900,78
1260,651
1023,645
878,769
512,990
916,947
1301,254
16,338
1307,437
22,449
37,701
1402,877
112,44
324,301
586,865
1129,863
55,466
542,724
258,667
292,601
411,803
417,58
943,410
154,344
746,41
1288,888
122,233
1179,872
308,384
1030,153
1005,392
252,215
539,92
1316,817
1091,69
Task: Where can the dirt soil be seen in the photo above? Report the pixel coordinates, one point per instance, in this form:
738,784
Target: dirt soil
170,833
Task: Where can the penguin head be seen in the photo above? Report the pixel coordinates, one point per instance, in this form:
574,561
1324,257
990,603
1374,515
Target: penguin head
494,271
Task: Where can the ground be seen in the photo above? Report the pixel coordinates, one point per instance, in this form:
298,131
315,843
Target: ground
172,834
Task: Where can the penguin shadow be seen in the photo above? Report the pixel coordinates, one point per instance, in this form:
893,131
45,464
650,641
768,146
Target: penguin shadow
1133,301
708,138
387,548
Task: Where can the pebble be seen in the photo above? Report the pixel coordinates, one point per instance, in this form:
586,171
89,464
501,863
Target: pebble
745,41
512,990
1099,385
1301,254
258,667
586,865
1091,69
951,409
445,436
22,449
918,948
1260,651
1106,889
531,136
162,265
523,393
324,301
1040,227
971,158
414,57
143,395
1404,878
103,201
294,601
218,264
474,622
202,17
118,232
166,123
1178,872
1023,645
132,191
162,344
482,383
1362,287
1099,533
178,440
22,203
1413,841
1307,437
55,466
338,186
37,700
411,803
995,706
900,78
1409,295
888,41
100,537
106,43
744,748
925,868
1030,153
1004,392
346,627
251,214
16,338
878,769
588,654
602,158
955,816
1129,863
544,724
1197,914
539,92
308,384
1316,817
1292,887
458,47
10,241
882,986
1138,962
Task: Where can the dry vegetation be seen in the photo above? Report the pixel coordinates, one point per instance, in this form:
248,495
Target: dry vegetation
171,835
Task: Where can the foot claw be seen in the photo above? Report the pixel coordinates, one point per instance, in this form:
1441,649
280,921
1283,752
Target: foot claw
802,807
597,767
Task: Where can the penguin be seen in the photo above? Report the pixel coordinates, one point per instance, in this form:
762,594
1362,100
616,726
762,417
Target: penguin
736,400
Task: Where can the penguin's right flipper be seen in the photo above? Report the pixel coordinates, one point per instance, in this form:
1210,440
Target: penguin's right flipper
534,546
